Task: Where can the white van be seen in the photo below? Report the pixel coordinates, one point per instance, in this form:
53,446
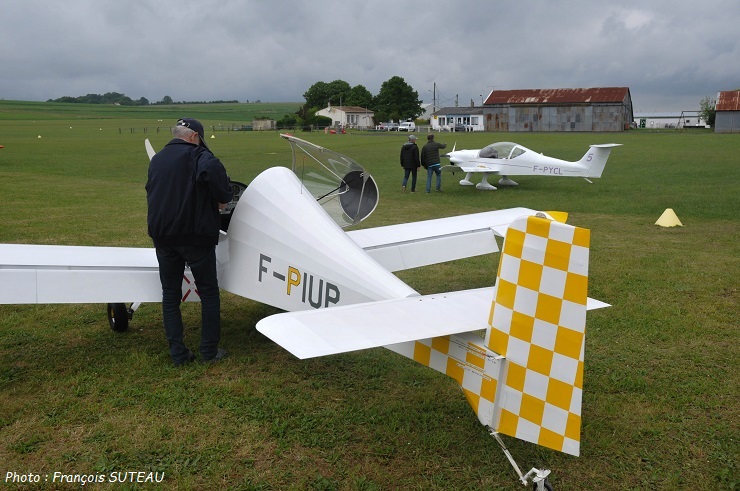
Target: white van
407,126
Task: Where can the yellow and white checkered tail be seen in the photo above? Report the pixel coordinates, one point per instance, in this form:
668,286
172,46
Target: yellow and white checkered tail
525,378
537,322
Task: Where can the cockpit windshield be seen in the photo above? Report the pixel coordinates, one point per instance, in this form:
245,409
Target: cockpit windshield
345,190
502,150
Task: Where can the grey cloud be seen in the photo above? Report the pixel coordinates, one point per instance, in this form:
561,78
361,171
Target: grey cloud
671,54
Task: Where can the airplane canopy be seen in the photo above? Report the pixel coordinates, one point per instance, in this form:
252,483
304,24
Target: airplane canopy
502,150
345,190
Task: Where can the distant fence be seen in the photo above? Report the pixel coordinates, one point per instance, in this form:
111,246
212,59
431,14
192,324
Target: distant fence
168,129
248,127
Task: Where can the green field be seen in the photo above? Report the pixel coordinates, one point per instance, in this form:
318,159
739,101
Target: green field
660,406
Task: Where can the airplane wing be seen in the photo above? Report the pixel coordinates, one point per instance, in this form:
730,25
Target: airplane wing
411,245
472,167
32,274
308,334
77,274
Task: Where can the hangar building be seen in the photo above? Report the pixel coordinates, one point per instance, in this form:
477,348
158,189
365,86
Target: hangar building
727,119
592,109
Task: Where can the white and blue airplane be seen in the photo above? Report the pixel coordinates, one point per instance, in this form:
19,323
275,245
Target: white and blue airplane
516,349
511,159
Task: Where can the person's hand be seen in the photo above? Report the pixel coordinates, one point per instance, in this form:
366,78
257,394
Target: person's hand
222,206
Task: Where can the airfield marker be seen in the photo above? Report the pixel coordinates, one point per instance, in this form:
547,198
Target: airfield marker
669,219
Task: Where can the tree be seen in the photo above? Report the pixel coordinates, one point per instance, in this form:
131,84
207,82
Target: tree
359,96
708,111
397,100
166,100
316,95
320,94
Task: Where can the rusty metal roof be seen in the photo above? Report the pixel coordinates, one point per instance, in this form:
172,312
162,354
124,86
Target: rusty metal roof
559,96
728,101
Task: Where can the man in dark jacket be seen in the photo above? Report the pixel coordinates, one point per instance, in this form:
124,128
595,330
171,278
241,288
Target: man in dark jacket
186,187
431,162
410,163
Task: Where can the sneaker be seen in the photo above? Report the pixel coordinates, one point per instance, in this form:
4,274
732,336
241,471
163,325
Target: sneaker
188,359
403,189
220,354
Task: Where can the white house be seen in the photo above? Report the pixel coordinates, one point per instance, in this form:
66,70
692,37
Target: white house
447,118
348,116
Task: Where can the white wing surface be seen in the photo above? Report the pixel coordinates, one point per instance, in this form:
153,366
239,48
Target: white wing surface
411,245
308,334
473,167
77,274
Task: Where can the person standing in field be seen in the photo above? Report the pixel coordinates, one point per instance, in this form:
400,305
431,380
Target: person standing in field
186,187
410,163
431,162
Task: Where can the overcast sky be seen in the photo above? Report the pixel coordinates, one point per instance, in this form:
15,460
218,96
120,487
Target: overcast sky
670,53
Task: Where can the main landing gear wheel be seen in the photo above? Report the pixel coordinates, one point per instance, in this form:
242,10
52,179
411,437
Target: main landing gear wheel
545,485
118,316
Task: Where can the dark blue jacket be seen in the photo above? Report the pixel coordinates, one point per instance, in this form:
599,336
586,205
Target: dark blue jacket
185,184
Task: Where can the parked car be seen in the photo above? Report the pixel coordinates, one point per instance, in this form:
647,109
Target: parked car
460,127
390,126
407,126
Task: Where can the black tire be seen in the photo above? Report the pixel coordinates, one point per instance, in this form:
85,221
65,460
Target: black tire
118,317
548,486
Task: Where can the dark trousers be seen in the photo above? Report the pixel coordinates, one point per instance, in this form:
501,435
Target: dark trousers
406,173
202,262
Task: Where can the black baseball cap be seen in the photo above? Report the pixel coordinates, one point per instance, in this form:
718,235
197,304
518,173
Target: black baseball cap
194,125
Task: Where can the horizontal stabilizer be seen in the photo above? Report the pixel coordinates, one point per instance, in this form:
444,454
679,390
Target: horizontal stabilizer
308,334
312,333
411,245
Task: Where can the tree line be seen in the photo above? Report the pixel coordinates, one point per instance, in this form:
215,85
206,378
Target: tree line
395,101
124,100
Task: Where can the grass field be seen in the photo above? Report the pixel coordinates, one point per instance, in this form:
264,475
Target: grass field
661,379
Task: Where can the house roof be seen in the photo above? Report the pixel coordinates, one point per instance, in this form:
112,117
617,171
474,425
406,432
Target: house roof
458,111
728,101
352,109
559,96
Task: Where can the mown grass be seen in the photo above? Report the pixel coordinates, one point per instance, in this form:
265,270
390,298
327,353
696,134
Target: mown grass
661,381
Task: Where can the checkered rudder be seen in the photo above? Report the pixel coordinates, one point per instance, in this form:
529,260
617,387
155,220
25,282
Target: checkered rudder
538,321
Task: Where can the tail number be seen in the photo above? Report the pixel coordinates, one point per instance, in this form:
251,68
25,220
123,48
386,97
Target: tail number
313,291
556,171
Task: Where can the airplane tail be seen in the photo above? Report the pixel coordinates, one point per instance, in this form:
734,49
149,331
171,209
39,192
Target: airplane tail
537,323
595,159
524,378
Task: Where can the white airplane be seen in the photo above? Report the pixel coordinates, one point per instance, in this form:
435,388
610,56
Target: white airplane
511,159
283,244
